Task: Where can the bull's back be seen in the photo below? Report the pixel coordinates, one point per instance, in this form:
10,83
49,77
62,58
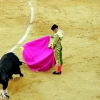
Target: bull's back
9,62
10,56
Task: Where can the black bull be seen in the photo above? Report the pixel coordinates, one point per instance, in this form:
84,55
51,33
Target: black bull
9,65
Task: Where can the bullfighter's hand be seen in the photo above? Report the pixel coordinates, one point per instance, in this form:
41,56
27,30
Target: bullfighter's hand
50,46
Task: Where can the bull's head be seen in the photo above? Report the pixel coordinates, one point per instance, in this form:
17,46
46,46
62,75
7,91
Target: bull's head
20,63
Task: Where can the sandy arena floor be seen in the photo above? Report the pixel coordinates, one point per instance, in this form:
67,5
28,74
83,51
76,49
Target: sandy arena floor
80,20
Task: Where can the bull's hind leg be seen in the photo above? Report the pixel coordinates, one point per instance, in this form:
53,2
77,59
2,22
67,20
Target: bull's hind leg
5,84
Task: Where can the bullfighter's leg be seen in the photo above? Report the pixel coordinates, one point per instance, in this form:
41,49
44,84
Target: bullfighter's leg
5,84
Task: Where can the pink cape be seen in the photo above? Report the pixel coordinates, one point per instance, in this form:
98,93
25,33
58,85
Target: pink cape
37,55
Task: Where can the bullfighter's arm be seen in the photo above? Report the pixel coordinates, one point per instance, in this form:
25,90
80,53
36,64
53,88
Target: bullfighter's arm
56,38
52,36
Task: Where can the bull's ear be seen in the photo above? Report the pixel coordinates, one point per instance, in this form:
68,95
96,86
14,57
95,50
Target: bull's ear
20,63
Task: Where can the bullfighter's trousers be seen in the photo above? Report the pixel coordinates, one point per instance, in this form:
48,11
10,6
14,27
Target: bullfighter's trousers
58,54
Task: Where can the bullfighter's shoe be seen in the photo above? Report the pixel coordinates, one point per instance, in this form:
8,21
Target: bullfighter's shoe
57,73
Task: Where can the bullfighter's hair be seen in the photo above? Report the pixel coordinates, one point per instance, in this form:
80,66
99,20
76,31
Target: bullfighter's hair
54,27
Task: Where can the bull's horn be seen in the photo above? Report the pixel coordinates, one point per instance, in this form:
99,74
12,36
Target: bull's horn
21,48
23,62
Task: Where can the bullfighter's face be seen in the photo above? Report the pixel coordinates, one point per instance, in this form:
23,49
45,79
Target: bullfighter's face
55,30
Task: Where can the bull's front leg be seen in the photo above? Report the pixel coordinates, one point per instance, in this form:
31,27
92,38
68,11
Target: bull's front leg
19,71
10,74
5,84
21,75
11,77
